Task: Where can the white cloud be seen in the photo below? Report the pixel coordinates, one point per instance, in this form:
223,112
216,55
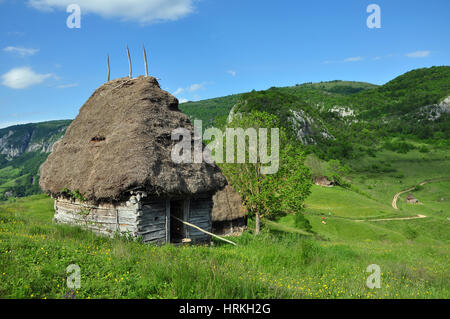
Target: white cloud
354,59
20,51
21,78
65,86
15,33
190,89
347,60
178,91
418,54
195,87
144,11
232,73
181,101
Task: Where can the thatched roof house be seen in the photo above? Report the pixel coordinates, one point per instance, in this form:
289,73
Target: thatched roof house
323,181
411,199
229,216
116,154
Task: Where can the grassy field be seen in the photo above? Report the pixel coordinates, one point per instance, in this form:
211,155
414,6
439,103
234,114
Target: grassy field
282,262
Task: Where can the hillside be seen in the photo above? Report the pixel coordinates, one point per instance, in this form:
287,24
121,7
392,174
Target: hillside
335,120
374,141
23,148
282,262
345,126
213,110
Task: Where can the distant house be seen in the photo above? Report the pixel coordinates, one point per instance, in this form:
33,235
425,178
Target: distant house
323,181
411,199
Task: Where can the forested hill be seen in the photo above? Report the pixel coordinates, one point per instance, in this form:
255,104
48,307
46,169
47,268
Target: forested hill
336,120
23,148
211,109
402,95
347,119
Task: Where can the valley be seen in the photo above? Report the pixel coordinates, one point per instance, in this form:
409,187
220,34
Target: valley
375,144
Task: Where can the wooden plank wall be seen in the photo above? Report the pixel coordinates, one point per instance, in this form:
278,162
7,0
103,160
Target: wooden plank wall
149,219
152,221
104,219
200,210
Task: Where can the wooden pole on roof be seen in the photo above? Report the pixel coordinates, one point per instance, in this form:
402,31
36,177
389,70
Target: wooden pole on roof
107,62
129,61
145,60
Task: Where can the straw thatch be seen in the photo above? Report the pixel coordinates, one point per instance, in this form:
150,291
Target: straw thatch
323,181
227,205
411,199
121,141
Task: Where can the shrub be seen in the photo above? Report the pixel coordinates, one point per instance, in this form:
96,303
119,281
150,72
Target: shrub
302,223
399,147
424,149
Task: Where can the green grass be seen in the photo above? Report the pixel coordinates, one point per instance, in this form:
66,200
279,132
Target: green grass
282,262
8,175
341,202
371,195
406,170
34,254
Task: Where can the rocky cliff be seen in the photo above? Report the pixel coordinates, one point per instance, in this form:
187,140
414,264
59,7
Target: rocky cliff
34,137
23,149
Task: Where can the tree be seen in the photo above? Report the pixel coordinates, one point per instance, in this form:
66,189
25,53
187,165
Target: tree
335,170
269,195
315,165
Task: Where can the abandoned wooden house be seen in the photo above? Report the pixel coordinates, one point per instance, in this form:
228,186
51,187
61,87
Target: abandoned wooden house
113,172
411,199
229,216
323,181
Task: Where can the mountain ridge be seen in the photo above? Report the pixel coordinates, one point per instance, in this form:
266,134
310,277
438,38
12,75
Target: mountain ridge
335,119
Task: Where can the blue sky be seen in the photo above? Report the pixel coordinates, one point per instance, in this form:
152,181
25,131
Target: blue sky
206,48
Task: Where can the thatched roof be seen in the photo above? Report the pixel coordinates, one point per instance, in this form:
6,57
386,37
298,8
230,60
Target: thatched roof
227,205
323,181
410,196
411,199
121,141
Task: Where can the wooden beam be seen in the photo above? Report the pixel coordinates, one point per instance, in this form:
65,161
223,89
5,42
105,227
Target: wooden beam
107,62
204,231
145,60
129,62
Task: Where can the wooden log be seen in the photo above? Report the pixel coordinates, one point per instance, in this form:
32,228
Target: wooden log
109,71
196,213
129,61
151,227
158,217
153,236
145,60
204,231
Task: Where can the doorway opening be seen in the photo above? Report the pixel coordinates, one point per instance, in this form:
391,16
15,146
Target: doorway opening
177,229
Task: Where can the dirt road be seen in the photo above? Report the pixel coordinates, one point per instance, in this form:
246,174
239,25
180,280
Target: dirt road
394,200
388,219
